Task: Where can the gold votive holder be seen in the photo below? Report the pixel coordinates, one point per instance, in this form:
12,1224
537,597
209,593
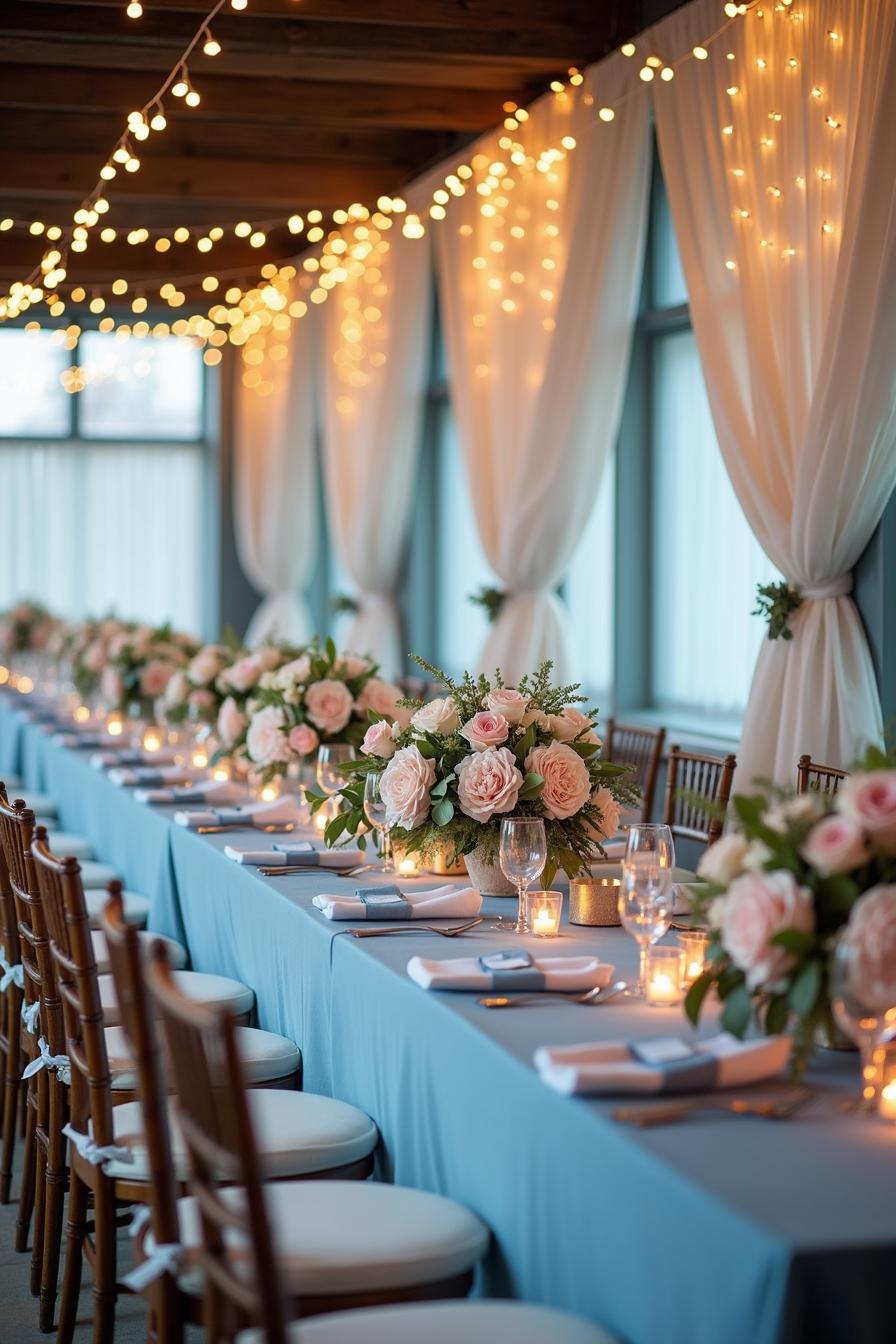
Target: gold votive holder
664,982
543,909
694,945
594,901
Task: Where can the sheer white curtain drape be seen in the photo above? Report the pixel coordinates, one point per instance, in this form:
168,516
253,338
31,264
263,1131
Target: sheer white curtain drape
375,352
781,169
538,287
275,485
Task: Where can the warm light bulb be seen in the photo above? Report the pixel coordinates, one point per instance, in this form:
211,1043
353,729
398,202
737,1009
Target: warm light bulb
606,114
158,122
181,86
667,73
701,53
192,98
212,46
134,9
646,73
628,48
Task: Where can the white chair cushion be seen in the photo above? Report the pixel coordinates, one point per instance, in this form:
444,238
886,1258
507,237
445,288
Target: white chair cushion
215,990
68,845
41,804
136,908
442,1323
266,1057
336,1237
297,1133
95,874
177,954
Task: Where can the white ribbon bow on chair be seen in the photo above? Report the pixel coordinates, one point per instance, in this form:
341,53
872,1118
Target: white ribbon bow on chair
94,1153
45,1060
164,1259
12,975
30,1014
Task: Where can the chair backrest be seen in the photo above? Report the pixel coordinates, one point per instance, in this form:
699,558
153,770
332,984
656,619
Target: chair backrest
128,972
810,775
641,749
68,926
16,833
221,1147
9,925
692,781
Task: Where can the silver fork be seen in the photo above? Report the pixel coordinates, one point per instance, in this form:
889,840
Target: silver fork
597,995
416,928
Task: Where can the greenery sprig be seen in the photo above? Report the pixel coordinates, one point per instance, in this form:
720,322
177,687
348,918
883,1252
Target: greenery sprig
491,600
776,603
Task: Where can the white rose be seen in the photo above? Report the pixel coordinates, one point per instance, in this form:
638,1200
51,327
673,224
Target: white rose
488,782
265,741
329,705
379,740
804,807
724,860
439,716
567,783
294,673
756,856
405,787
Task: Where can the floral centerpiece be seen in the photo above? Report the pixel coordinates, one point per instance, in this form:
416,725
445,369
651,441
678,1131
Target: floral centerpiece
482,752
26,628
84,651
796,872
319,697
192,692
141,662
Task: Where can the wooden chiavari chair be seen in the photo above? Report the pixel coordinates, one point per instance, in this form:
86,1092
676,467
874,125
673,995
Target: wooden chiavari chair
811,775
641,749
692,776
12,987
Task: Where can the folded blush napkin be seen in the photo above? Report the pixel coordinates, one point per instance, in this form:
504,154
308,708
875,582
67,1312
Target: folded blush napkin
509,971
154,777
665,1065
106,760
276,813
295,854
192,793
392,902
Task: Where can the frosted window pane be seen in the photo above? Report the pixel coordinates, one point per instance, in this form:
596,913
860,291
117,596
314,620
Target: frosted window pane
462,566
32,398
140,389
706,561
588,590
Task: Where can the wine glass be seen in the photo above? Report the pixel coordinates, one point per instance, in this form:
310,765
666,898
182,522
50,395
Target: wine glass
330,759
865,1017
522,855
646,896
375,812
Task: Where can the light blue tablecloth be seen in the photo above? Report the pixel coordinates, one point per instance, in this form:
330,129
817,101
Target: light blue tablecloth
715,1231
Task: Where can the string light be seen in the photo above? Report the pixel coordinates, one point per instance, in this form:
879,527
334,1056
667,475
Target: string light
211,46
134,10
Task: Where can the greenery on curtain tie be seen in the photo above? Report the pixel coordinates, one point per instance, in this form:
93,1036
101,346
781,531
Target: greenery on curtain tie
343,604
776,603
490,599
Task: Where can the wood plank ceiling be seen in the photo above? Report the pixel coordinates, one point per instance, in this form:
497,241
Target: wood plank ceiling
309,103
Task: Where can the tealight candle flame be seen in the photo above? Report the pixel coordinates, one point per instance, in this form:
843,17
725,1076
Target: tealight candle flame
887,1103
81,714
220,774
407,868
200,758
152,740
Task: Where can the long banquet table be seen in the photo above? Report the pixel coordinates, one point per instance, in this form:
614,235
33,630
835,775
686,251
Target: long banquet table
716,1229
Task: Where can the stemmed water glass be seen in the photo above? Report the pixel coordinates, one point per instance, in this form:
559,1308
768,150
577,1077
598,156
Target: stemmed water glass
646,896
523,853
330,761
375,812
861,1013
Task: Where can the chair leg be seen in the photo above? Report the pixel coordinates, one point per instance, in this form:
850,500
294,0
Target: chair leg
166,1315
53,1210
40,1203
9,1122
75,1230
26,1189
104,1263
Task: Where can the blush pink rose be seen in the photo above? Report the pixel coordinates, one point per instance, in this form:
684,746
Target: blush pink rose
94,656
231,722
488,782
205,665
405,787
609,810
244,673
329,705
155,677
582,727
303,740
757,906
439,716
378,740
509,703
835,845
351,665
567,783
723,860
485,730
111,686
177,690
382,697
871,933
201,699
265,741
870,801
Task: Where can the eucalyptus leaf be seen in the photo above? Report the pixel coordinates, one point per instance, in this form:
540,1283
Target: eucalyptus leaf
737,1011
443,812
805,988
696,994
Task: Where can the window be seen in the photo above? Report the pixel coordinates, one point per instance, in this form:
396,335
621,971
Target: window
588,591
103,505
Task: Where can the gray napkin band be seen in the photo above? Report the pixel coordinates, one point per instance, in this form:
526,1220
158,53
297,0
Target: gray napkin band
519,977
232,816
698,1073
396,907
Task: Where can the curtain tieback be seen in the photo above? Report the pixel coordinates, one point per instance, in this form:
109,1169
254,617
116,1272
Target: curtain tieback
838,587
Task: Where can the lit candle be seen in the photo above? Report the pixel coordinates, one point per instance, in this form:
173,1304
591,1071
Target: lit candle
152,740
543,909
887,1101
221,772
407,867
200,758
25,685
81,714
693,955
114,725
270,791
664,965
321,819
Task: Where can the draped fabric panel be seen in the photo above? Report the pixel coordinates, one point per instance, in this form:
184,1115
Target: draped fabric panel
781,170
275,487
538,285
375,352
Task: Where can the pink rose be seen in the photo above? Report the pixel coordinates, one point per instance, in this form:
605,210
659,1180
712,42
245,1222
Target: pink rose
201,699
405,786
244,673
294,673
265,740
609,810
231,722
870,801
378,740
177,690
155,677
266,657
582,727
835,845
350,665
507,702
439,716
329,705
94,656
205,666
303,740
871,933
567,783
382,698
488,782
757,906
485,730
723,861
111,686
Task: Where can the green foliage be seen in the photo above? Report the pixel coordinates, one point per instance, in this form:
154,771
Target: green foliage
343,604
776,603
490,599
